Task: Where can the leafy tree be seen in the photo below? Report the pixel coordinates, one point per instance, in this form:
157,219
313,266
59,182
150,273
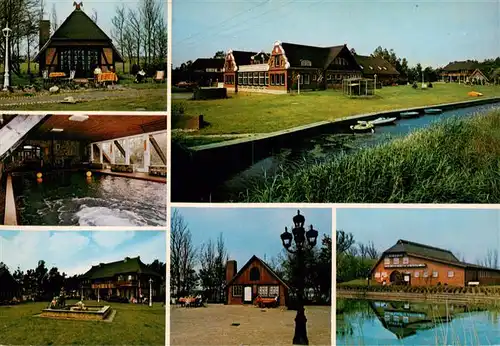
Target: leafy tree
220,55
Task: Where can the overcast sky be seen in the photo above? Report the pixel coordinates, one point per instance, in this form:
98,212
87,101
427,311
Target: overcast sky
469,232
250,231
74,252
432,32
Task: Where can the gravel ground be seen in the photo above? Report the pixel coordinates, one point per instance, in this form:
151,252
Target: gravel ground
212,325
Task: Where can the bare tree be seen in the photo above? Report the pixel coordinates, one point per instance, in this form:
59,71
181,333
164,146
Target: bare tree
55,23
344,241
182,256
368,250
94,15
490,260
134,22
118,32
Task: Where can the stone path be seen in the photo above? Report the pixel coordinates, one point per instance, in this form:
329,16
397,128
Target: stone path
79,96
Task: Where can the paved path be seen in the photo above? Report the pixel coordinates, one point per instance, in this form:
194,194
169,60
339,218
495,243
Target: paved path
82,96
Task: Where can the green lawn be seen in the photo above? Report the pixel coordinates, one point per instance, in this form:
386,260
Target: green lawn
132,325
260,113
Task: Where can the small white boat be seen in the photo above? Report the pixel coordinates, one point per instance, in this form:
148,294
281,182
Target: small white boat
363,127
409,114
379,121
433,111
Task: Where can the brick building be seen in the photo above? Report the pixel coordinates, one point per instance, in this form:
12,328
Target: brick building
416,264
254,279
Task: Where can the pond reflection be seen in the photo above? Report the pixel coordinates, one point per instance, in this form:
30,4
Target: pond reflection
363,322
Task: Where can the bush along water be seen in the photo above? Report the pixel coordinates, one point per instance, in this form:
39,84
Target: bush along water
456,161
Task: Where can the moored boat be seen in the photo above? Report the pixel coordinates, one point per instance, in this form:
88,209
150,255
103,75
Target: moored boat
433,111
383,121
409,114
363,127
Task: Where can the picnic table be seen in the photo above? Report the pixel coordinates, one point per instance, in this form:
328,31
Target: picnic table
266,302
57,75
107,77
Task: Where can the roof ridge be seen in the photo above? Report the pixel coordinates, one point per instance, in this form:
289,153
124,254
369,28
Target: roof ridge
425,245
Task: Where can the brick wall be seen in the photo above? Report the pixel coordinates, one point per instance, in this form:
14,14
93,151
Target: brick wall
442,270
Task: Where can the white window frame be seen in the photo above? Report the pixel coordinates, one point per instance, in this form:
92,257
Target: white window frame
435,274
406,260
387,260
377,275
395,260
417,274
451,273
238,294
426,274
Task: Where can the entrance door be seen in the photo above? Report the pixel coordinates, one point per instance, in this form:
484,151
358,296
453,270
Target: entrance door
247,294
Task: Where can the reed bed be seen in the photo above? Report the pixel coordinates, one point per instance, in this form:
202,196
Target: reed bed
455,161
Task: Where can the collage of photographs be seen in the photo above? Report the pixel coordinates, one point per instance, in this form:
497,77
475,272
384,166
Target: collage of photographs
172,172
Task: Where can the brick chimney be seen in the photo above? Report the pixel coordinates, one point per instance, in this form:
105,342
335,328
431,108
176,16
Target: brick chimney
231,270
44,33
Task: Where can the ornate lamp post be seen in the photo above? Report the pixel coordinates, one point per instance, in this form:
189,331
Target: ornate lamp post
303,240
150,292
6,77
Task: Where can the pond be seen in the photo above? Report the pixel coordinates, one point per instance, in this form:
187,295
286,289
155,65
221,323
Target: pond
72,199
371,322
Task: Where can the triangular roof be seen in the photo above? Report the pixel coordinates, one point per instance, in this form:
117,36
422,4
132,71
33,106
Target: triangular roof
264,264
125,266
320,57
379,66
78,26
242,57
479,71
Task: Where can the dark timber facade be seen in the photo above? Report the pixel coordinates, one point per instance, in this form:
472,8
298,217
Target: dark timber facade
77,45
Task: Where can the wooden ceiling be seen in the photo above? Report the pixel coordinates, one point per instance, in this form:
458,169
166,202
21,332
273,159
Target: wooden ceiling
98,127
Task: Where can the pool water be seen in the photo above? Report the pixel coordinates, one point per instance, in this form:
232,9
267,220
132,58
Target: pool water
72,199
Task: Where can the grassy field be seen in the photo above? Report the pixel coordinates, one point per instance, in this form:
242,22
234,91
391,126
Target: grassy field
142,99
456,161
260,113
132,325
212,325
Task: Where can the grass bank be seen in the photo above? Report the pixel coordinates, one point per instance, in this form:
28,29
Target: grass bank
133,325
263,113
456,161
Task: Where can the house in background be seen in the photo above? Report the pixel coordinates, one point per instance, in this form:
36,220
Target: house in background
128,278
207,71
371,66
234,59
254,279
9,288
317,68
458,71
409,263
77,45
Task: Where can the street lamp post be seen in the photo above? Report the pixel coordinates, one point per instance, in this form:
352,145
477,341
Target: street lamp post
303,240
6,76
298,84
375,89
150,292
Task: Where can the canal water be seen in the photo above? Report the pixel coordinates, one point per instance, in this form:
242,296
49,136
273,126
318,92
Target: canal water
322,147
72,199
364,322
